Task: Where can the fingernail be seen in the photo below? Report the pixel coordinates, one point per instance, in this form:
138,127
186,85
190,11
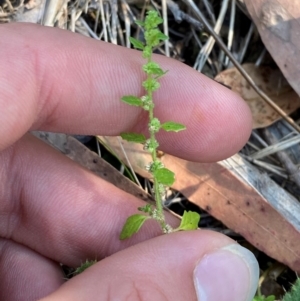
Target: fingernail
227,274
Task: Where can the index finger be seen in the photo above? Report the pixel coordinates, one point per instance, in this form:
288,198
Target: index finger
58,81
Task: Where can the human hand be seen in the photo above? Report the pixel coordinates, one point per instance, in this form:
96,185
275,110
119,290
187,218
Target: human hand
54,211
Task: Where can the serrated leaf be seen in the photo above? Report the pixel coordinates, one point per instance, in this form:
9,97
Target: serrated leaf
189,221
133,225
133,137
171,126
136,43
164,176
84,266
132,100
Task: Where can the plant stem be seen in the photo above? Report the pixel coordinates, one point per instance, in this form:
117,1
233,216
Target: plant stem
157,195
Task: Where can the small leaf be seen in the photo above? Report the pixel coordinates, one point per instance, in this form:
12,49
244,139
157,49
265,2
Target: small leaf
189,221
270,298
147,208
84,266
158,71
171,126
162,36
136,43
164,176
133,137
133,225
132,100
138,22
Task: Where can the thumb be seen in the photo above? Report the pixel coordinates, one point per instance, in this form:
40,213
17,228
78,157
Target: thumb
195,265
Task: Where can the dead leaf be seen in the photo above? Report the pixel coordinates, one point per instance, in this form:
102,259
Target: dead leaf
272,82
236,193
278,22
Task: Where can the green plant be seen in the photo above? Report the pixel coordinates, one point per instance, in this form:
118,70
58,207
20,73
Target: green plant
263,298
294,293
162,177
84,266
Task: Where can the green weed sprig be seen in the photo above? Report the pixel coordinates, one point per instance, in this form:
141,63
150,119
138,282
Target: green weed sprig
162,177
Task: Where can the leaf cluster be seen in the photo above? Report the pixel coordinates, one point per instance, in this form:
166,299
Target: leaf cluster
189,221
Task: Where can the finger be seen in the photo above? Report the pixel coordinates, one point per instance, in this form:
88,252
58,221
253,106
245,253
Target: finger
195,265
61,210
69,83
26,275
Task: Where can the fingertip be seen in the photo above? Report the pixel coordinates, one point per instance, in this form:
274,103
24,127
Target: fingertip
166,268
79,92
218,120
233,270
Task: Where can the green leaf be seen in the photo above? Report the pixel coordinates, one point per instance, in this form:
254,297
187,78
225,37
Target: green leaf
84,266
133,137
138,22
132,100
147,208
136,43
171,126
270,298
164,176
162,36
133,225
189,221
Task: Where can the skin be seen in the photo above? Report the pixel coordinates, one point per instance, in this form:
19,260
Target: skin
54,211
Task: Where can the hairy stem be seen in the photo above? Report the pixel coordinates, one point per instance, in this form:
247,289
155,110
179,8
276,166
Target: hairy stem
157,195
